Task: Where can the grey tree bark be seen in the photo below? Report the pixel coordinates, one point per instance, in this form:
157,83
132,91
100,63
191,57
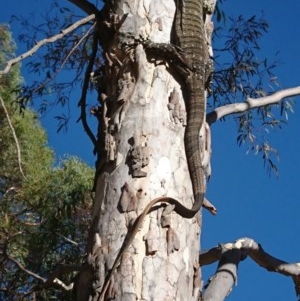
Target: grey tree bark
141,142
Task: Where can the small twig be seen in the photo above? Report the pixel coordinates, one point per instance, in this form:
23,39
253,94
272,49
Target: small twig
68,240
65,60
52,39
14,135
82,101
209,206
63,285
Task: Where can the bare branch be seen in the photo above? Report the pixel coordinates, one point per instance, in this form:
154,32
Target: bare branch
21,267
68,240
30,224
52,281
250,103
229,256
52,39
14,135
86,6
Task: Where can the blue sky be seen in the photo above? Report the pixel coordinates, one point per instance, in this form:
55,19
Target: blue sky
249,202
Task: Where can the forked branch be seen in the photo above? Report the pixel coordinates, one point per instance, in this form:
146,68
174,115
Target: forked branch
51,281
230,254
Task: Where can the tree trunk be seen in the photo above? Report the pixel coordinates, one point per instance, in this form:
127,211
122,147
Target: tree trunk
142,157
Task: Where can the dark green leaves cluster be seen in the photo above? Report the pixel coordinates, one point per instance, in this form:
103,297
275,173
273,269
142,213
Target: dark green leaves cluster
44,216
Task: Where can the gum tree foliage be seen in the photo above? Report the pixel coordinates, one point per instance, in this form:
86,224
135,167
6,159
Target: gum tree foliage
44,211
50,200
239,73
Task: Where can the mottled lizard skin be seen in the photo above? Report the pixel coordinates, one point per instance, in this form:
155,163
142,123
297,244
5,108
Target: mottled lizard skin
189,36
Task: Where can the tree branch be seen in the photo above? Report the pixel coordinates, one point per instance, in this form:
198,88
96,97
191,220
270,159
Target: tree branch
82,101
229,256
14,135
250,103
52,39
21,267
63,285
52,280
86,6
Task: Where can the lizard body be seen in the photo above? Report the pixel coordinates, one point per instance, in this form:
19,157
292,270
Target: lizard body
189,36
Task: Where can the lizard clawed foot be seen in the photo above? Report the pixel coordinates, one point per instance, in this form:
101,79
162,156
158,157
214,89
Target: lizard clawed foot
134,41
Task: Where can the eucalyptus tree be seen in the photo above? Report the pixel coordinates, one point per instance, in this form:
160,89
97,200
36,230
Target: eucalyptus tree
150,63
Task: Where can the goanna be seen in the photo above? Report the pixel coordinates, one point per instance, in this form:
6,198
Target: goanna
189,36
187,57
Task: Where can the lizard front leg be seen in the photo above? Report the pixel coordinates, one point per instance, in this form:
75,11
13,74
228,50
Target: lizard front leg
171,54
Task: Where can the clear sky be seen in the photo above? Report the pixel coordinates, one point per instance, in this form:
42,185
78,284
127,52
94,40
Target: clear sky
249,202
